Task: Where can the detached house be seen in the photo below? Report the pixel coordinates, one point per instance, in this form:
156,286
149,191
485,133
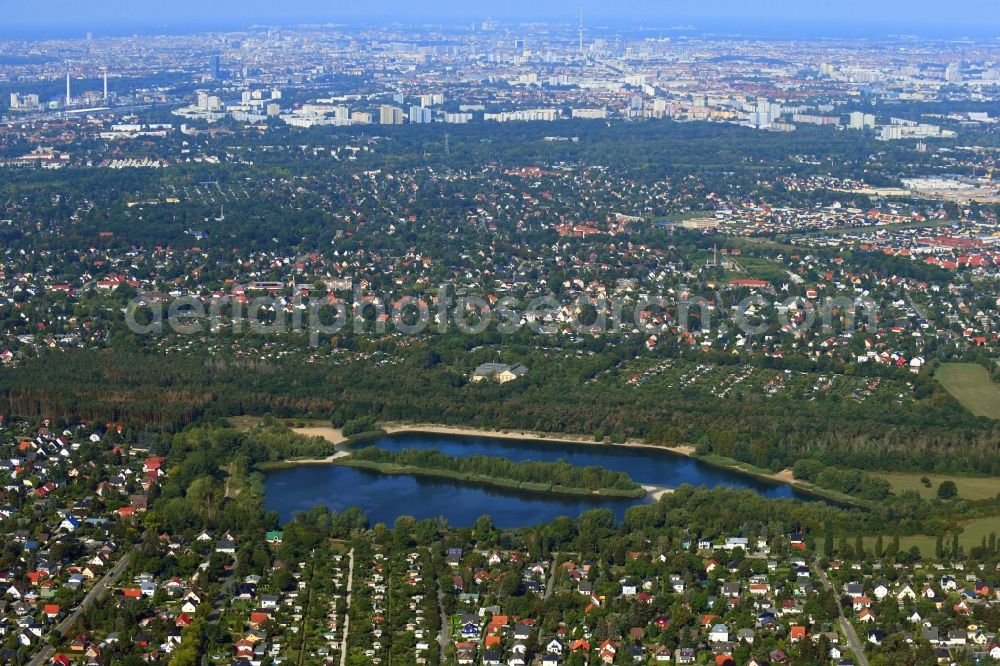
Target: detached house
719,634
499,372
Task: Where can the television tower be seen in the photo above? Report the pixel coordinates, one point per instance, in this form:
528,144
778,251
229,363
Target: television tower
581,30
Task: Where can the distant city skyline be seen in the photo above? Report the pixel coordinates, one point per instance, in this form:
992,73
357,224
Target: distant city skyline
41,18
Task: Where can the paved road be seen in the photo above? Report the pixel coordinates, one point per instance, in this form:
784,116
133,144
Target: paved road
445,621
224,592
95,593
305,614
550,584
347,615
845,626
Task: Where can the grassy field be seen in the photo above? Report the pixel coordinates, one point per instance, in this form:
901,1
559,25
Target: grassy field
975,530
972,535
969,487
971,385
761,268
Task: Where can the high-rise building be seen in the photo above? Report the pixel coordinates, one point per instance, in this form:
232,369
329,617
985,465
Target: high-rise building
435,99
765,113
861,120
390,115
214,67
420,115
19,102
458,118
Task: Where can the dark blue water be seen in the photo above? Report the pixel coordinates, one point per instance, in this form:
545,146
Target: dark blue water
385,497
643,465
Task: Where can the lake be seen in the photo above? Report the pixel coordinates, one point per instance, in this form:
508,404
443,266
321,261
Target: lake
385,497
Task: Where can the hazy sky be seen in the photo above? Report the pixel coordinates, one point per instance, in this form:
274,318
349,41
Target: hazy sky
980,16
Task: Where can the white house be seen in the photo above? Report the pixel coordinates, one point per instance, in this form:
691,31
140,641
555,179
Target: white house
719,634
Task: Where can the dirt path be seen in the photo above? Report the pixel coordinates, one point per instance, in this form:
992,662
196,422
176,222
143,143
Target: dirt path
347,614
784,475
329,434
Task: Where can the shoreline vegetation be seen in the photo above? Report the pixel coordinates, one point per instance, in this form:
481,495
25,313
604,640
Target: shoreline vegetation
336,437
781,477
900,481
388,463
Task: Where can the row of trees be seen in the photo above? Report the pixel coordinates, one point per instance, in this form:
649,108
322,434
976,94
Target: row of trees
558,473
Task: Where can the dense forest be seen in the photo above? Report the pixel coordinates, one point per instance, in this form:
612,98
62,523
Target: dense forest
430,385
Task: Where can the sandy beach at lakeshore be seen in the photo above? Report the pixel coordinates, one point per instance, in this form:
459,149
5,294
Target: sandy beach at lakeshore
336,436
397,428
656,492
332,435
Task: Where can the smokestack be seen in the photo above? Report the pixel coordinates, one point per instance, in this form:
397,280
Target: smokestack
105,84
67,89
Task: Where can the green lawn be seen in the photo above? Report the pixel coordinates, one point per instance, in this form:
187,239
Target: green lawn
975,530
972,535
761,268
972,386
969,487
